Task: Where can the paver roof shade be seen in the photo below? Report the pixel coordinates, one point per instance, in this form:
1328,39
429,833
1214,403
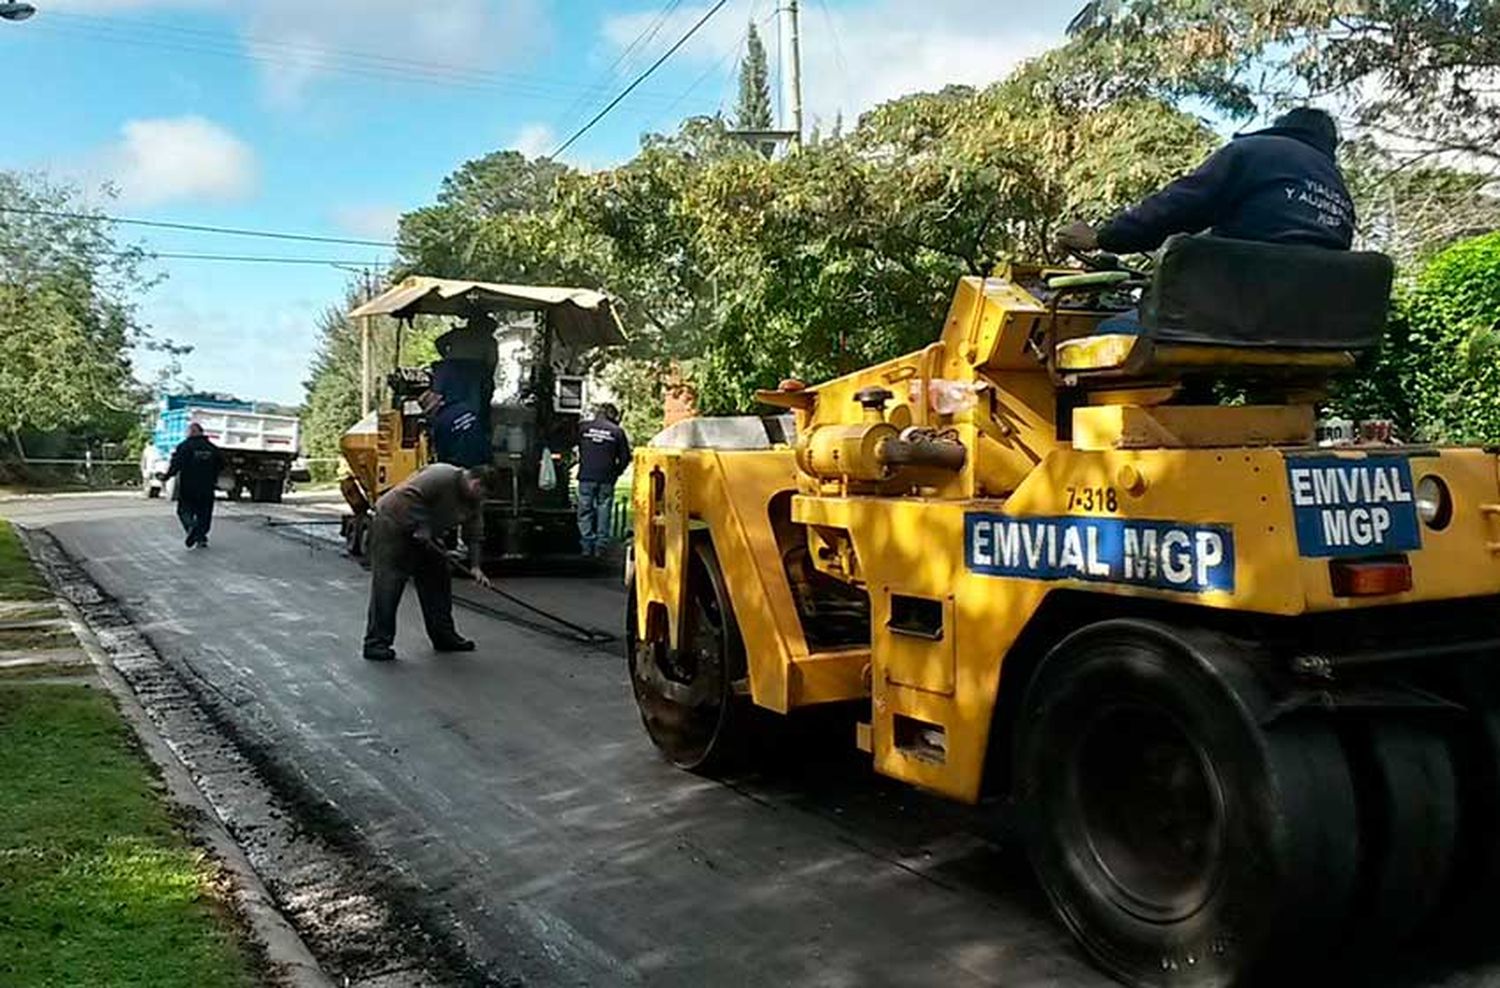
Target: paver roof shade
580,317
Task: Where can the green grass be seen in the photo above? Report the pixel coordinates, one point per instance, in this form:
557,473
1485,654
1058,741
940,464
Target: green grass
98,886
18,579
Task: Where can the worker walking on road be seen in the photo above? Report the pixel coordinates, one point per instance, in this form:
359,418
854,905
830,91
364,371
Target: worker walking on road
411,520
196,463
603,454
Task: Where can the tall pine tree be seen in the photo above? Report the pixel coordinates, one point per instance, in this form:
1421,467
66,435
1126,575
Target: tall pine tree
754,111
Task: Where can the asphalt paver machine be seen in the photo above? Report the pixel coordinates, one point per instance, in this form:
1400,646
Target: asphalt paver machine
552,331
1240,687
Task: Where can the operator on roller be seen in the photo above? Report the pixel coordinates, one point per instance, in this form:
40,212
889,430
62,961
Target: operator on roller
409,523
1280,185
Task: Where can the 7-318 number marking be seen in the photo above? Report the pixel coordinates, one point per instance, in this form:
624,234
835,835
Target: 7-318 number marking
1093,499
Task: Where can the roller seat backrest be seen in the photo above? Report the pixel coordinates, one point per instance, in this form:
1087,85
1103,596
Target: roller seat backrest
1212,291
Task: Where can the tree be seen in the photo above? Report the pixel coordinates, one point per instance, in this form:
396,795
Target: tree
333,385
740,271
67,315
1438,372
1421,74
753,112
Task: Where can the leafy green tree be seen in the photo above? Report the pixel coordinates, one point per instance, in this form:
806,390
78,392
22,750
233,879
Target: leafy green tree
753,112
1438,372
333,385
67,315
1420,73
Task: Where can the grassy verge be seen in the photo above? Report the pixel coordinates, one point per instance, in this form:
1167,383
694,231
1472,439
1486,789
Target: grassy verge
98,886
18,580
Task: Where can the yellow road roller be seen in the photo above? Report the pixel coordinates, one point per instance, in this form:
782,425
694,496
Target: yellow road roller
1238,685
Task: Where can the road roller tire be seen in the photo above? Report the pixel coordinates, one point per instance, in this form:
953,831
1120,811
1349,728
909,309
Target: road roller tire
1409,824
691,701
1181,842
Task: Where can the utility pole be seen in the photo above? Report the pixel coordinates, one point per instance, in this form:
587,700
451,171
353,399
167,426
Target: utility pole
364,348
791,8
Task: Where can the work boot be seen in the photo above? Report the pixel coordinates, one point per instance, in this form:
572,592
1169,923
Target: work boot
190,542
458,643
380,654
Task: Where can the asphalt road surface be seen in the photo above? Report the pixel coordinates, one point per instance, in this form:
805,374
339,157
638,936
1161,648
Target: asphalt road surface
517,784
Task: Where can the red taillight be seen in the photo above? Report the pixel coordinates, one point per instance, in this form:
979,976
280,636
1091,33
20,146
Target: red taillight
1366,578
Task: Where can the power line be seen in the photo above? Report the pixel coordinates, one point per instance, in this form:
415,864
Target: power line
334,61
639,79
147,254
647,35
200,228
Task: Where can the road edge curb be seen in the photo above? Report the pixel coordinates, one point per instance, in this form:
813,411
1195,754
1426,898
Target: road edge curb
285,951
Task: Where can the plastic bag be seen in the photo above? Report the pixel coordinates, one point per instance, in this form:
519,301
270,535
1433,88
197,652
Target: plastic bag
547,479
948,397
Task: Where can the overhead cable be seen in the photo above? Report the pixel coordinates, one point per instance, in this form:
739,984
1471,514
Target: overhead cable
230,231
639,79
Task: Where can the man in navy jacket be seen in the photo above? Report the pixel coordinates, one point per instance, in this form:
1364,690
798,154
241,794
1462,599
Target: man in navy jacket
1280,185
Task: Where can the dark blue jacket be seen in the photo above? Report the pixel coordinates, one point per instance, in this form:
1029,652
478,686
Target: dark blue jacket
1278,185
603,451
459,436
196,463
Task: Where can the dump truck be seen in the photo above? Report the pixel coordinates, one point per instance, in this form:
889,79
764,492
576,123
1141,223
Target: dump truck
261,451
1237,689
531,432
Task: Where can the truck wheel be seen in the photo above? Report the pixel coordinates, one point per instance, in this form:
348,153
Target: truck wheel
267,490
688,700
1181,842
1408,792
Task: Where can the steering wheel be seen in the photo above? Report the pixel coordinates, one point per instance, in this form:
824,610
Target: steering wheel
1099,260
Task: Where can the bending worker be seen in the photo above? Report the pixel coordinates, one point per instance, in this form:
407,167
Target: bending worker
1280,185
410,521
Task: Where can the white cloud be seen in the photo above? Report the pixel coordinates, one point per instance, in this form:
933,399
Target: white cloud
175,159
535,140
854,57
297,42
371,221
461,42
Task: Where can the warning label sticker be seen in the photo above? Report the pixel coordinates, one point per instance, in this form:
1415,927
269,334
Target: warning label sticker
1353,507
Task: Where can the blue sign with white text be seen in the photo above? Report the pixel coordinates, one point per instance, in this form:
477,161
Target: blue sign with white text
1347,507
1162,554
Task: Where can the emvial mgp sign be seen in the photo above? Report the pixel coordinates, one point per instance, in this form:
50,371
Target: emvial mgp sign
1346,507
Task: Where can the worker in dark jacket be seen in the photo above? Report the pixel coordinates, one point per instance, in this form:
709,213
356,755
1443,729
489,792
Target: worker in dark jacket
1279,185
196,463
603,454
411,520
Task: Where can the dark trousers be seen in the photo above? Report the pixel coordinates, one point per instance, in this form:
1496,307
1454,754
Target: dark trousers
196,512
596,502
396,557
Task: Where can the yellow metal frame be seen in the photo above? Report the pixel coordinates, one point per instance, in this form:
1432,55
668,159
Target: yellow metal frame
904,533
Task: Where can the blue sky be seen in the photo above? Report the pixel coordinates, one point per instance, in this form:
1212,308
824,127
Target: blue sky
330,117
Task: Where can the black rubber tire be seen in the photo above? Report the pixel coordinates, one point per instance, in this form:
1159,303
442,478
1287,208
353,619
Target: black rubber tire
1408,792
1181,842
272,489
1476,884
235,493
689,703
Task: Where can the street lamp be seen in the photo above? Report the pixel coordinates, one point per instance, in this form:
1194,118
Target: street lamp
16,11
